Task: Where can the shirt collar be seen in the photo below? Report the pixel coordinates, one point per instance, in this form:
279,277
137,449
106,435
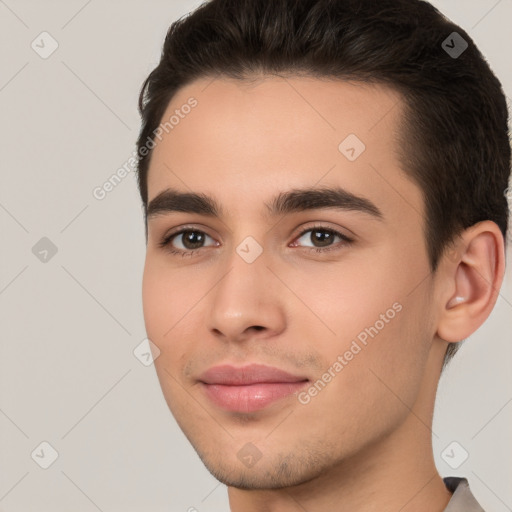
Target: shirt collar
462,499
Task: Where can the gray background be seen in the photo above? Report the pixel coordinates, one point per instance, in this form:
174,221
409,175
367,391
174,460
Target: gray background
70,324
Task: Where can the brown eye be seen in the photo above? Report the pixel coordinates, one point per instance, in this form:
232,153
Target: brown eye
321,238
185,241
192,239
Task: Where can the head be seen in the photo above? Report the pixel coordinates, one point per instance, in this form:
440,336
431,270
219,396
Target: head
274,122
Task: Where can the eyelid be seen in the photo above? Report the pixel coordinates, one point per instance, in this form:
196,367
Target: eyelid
350,236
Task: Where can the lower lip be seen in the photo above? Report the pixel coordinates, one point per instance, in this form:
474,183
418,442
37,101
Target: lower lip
252,397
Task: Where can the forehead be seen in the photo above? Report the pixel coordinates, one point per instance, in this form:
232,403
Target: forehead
276,133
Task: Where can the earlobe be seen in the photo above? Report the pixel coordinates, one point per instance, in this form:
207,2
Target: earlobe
474,280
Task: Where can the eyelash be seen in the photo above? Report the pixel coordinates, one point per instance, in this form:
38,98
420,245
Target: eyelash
165,242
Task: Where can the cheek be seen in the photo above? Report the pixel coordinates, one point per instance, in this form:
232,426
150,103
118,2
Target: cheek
171,314
381,319
378,381
346,298
394,360
154,301
166,297
162,307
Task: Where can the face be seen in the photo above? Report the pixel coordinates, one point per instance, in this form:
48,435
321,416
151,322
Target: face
331,287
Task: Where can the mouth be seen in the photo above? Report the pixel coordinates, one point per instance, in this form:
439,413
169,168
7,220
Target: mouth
249,388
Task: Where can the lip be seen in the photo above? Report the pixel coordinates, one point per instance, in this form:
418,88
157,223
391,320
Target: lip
249,388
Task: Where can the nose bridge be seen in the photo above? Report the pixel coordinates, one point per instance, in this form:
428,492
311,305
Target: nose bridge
247,260
241,284
245,295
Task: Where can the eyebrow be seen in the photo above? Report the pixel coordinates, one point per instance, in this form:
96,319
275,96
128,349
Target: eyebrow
295,200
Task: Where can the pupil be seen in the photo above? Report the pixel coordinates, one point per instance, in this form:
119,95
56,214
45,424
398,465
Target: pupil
189,242
322,236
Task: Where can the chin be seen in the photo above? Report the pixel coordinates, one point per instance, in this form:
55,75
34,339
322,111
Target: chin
285,471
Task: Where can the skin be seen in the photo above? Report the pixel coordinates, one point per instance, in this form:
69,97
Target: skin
364,441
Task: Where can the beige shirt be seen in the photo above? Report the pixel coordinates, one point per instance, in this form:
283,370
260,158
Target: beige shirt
462,499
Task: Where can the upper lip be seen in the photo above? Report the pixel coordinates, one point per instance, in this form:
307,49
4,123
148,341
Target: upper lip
245,375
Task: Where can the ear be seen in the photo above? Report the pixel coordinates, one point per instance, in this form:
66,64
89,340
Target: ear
473,271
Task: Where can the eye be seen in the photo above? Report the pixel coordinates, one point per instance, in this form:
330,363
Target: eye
322,238
185,241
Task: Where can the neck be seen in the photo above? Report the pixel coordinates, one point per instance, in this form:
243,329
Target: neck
396,473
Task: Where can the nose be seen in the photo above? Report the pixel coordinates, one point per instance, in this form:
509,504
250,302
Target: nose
247,302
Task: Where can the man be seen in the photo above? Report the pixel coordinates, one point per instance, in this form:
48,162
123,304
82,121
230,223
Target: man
324,189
